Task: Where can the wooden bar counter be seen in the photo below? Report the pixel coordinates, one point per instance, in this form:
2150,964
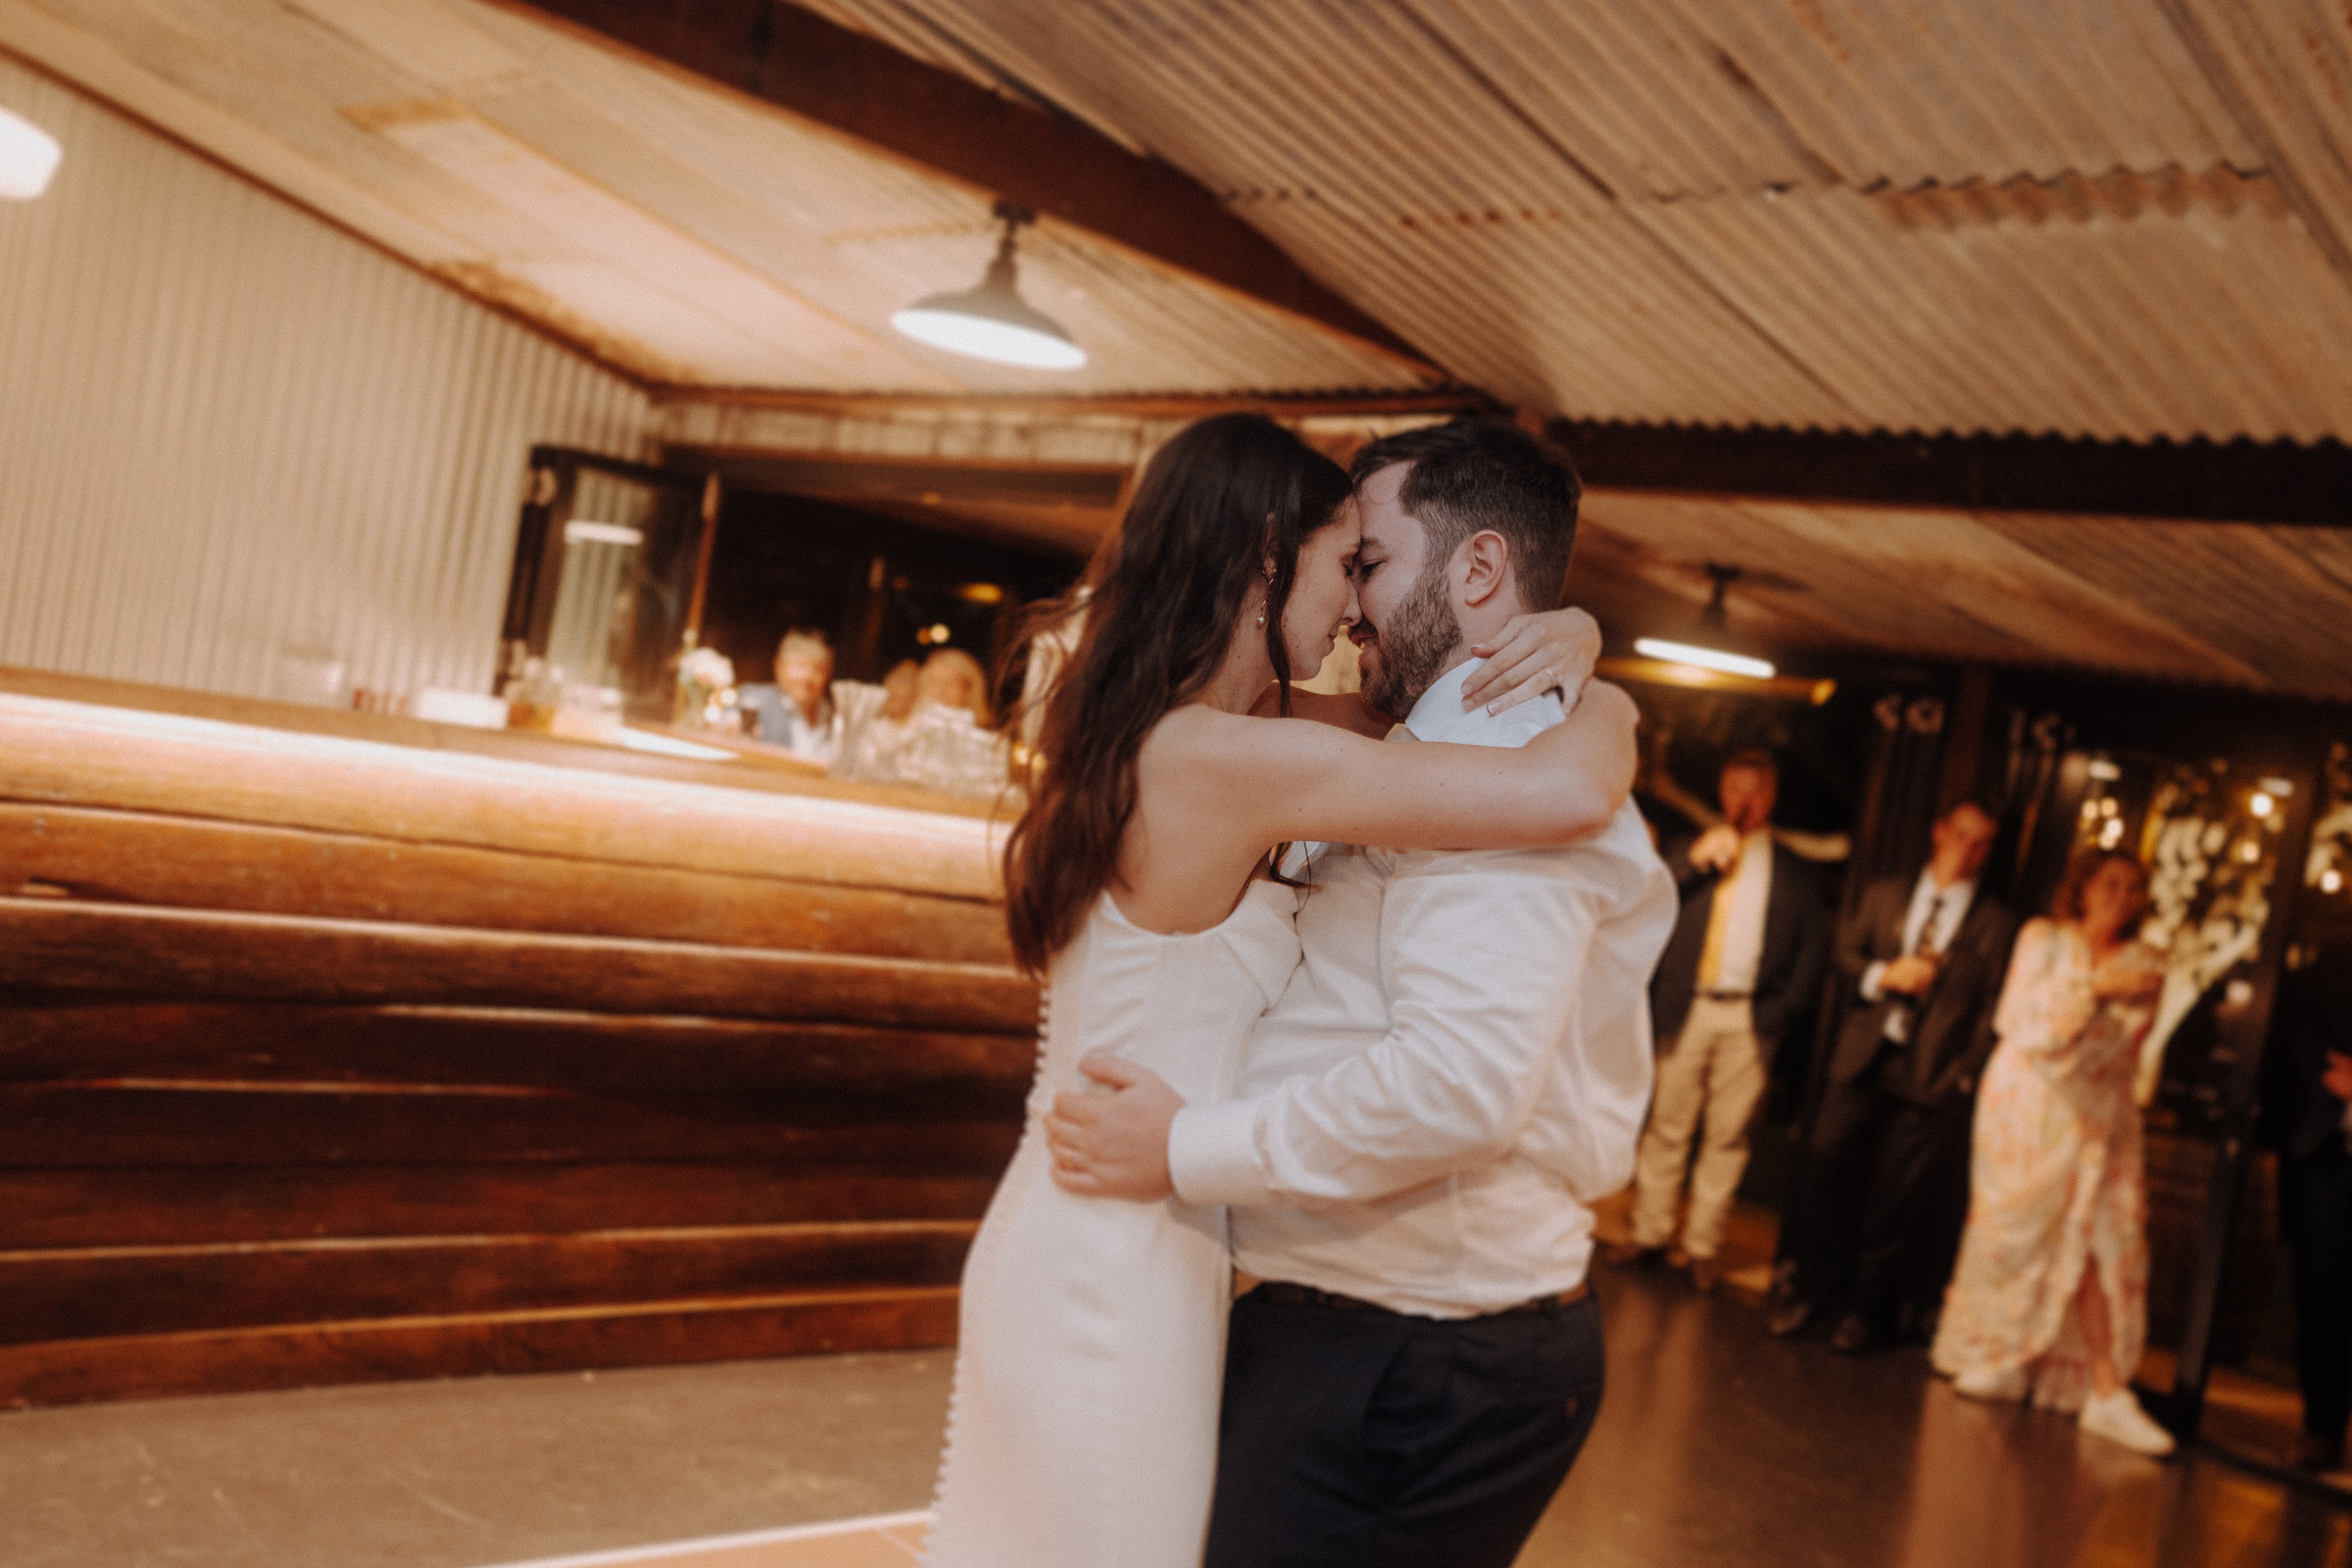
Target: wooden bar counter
337,1048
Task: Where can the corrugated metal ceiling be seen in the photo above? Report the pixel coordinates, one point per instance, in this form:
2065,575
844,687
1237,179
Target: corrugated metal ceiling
2240,605
2122,219
675,228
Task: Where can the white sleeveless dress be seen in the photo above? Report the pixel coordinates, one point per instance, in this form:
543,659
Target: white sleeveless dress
1083,1432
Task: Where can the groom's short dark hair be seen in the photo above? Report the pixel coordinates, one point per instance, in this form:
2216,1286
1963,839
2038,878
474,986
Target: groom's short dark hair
1473,474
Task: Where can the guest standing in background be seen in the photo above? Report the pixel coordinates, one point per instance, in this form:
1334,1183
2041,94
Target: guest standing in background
2050,1297
797,712
2308,1107
1887,1175
1746,959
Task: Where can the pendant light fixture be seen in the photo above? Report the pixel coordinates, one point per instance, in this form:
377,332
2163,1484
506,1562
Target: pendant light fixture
993,322
1711,644
29,155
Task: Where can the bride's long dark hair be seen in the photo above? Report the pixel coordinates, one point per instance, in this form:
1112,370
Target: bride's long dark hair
1219,501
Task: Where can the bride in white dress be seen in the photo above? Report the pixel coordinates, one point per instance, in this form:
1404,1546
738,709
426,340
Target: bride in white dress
1083,1428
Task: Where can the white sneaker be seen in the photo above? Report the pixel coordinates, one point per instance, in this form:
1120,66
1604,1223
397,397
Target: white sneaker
2118,1419
1978,1383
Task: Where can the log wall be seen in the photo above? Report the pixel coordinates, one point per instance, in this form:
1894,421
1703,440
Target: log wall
336,1049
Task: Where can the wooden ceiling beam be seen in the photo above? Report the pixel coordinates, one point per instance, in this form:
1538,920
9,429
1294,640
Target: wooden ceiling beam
1054,165
2195,481
1152,406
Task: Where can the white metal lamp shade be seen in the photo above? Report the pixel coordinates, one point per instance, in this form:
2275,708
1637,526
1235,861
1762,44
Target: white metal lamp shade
29,157
993,322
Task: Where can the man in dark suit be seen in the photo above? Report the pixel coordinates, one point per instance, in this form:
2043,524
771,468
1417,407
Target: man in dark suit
1886,1175
2309,1108
1744,960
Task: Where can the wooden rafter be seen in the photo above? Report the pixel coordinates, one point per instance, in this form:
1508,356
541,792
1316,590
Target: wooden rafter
2196,481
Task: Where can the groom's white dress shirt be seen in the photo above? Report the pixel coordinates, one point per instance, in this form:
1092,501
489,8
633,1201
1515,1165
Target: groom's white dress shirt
1457,1069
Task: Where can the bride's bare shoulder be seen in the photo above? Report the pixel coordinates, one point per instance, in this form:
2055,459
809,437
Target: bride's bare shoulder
1191,735
1213,748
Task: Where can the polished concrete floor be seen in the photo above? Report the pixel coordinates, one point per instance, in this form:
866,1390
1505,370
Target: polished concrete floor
1716,1444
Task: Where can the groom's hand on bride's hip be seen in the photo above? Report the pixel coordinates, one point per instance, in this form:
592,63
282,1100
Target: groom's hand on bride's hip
1113,1142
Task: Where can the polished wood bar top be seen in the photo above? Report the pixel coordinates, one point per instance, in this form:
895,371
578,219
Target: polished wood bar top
152,749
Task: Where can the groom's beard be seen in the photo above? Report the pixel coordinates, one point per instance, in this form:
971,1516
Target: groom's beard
1414,647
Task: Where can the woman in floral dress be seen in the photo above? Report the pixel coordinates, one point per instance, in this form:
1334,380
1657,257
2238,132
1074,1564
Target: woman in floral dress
2050,1295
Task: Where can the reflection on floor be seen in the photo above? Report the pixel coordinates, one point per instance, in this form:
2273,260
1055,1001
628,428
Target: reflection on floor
2250,1416
1716,1443
1751,1233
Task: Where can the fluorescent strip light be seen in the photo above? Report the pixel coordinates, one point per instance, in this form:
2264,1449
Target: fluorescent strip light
638,740
29,157
601,533
1703,657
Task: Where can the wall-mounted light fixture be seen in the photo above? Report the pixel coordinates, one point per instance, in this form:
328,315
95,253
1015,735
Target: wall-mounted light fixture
993,322
29,157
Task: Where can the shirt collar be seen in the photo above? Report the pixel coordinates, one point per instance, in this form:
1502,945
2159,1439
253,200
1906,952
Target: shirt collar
1439,715
1928,889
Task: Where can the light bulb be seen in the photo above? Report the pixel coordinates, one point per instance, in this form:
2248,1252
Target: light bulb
29,157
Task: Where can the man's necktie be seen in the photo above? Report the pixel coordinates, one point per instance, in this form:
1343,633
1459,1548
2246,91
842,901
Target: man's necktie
1898,1018
1719,922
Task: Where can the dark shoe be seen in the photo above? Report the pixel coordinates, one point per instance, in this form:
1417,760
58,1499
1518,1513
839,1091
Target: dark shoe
1852,1335
1706,1273
2317,1455
1789,1319
1921,1330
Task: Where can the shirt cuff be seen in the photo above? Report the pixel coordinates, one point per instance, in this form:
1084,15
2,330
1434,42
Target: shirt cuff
1874,982
1212,1153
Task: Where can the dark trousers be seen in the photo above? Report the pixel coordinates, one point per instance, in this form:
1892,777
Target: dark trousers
2316,1193
1371,1439
1886,1181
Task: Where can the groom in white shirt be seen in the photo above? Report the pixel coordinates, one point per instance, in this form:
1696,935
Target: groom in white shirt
1457,1071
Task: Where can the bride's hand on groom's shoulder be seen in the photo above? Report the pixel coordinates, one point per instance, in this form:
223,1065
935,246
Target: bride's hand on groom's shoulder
1529,655
1113,1142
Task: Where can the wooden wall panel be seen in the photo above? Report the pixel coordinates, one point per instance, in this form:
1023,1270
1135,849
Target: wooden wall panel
98,1293
341,1056
101,1207
184,952
66,1038
551,1339
126,857
142,1124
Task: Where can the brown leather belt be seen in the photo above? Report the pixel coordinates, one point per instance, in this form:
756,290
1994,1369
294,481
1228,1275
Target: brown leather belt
1286,1294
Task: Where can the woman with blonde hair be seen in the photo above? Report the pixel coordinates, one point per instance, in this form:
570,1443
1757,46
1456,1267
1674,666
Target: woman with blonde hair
2050,1295
952,678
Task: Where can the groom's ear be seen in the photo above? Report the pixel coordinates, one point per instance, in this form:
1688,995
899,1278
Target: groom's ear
1485,562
